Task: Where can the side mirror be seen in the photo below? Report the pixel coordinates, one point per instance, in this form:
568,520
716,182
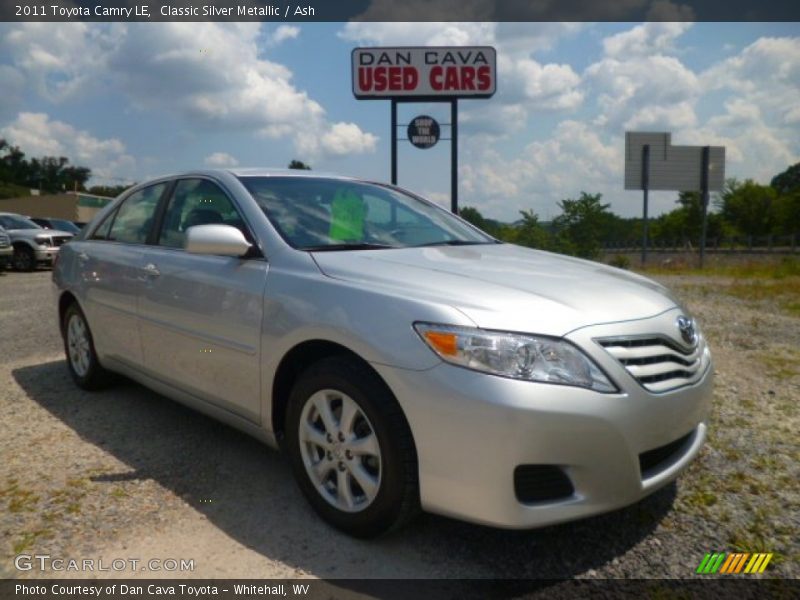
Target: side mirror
220,240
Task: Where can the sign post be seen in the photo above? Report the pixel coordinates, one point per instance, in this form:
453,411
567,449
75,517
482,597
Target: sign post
645,187
704,200
425,74
454,156
653,163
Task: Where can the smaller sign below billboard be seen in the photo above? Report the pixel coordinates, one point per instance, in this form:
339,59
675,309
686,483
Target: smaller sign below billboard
674,168
423,132
427,71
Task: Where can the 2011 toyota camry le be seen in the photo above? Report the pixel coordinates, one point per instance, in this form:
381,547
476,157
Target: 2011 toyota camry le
401,358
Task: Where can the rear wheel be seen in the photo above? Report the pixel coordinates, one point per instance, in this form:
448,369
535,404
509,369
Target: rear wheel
24,258
351,449
79,347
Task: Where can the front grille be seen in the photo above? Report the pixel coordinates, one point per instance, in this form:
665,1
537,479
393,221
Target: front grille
60,240
658,363
541,483
655,460
5,241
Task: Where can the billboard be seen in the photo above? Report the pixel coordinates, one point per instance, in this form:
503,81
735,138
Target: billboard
425,72
676,168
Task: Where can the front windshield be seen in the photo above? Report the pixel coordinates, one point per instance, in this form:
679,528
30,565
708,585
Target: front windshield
64,225
15,222
334,214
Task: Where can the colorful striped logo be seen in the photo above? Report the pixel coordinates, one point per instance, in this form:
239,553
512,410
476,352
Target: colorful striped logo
734,563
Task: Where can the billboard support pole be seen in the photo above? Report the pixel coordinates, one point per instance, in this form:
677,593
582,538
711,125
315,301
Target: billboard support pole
394,141
645,187
454,156
704,200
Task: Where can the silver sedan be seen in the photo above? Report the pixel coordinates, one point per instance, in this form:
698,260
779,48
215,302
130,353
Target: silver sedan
401,358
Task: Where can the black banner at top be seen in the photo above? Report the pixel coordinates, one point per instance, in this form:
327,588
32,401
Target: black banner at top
399,10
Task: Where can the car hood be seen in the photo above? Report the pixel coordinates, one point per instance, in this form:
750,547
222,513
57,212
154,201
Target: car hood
507,287
32,233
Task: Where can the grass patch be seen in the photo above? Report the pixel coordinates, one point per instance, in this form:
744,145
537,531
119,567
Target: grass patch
787,266
29,538
785,365
19,500
702,498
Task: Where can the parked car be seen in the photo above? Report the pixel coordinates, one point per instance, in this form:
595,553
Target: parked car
6,249
402,358
32,244
60,224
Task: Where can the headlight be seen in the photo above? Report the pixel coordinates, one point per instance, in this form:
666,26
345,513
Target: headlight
42,241
527,357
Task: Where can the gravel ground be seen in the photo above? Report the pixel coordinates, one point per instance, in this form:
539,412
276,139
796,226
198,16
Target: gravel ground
126,473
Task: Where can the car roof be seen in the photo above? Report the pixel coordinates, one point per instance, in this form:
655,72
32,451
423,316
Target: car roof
267,172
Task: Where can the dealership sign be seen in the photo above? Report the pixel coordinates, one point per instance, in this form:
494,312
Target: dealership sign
442,72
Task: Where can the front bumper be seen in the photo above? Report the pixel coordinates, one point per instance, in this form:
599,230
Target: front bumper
6,252
46,254
472,430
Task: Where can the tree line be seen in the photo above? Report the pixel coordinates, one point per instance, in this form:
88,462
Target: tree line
585,225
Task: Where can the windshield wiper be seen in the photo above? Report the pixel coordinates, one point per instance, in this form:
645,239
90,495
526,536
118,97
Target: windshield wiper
353,246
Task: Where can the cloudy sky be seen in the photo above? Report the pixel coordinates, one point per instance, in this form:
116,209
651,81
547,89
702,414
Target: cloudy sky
138,100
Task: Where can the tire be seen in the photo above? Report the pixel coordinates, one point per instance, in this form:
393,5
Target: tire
82,362
331,471
24,259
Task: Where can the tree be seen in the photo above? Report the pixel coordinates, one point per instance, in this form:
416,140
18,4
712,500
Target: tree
473,216
299,164
530,232
748,207
788,181
112,191
48,173
580,226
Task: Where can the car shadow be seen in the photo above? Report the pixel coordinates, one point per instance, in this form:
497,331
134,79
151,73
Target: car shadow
256,502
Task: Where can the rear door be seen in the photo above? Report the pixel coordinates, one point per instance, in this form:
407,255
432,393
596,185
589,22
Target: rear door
201,315
110,265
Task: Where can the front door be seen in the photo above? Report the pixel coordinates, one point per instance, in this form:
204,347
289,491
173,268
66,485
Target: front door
200,315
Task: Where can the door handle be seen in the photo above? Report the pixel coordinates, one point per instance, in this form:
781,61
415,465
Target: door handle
151,270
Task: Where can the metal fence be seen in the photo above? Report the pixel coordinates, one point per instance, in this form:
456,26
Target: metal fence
777,244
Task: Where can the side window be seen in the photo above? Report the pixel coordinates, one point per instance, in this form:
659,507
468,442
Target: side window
101,233
135,217
196,202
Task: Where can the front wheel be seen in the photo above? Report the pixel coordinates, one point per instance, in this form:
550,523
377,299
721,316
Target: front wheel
24,259
351,449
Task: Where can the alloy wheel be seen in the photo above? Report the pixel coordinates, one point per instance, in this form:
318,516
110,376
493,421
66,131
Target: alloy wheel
78,346
340,450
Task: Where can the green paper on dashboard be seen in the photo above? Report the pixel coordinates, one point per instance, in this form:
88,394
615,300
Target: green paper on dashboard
347,217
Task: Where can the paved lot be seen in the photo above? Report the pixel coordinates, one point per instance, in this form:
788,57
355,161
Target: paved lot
126,473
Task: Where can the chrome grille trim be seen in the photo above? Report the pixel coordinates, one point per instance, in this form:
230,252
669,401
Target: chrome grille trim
658,363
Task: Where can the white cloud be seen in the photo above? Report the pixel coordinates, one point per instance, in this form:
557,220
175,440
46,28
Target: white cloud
37,135
347,138
646,39
58,61
212,74
283,33
657,90
12,84
221,159
766,73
